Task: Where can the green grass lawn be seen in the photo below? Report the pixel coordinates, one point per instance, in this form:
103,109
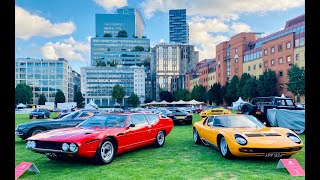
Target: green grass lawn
179,158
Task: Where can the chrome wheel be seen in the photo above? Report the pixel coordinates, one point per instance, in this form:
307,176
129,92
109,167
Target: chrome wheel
107,151
160,137
223,146
195,135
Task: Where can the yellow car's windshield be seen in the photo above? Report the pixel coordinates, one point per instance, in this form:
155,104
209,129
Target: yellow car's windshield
240,121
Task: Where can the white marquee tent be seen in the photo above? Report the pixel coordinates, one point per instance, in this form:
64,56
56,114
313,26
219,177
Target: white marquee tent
235,105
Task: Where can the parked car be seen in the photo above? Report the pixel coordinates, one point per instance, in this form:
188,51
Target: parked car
179,116
214,111
245,136
103,136
39,113
64,112
28,129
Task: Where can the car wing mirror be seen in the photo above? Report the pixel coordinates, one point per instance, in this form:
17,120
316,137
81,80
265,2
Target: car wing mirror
131,125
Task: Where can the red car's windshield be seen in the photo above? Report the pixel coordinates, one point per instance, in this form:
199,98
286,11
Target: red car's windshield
110,120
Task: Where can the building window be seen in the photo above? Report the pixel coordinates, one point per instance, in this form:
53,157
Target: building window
280,47
260,65
272,62
297,56
236,50
249,67
266,64
237,70
288,45
280,60
266,52
288,58
272,50
254,67
236,59
280,73
281,86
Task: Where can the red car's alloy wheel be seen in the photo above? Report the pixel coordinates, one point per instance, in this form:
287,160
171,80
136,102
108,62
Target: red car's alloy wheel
107,150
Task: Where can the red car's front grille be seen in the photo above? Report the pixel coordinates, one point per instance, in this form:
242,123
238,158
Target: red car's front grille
49,145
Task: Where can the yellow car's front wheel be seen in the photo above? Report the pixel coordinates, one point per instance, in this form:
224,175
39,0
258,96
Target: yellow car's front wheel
224,149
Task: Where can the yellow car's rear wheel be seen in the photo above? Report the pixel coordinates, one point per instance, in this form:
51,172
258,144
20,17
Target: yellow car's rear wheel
196,137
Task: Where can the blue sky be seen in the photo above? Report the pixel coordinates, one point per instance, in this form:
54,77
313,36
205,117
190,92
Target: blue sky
62,28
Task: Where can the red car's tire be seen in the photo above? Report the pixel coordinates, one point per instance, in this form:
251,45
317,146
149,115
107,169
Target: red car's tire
105,152
160,139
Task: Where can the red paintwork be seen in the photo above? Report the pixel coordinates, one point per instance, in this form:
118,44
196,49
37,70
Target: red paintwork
88,139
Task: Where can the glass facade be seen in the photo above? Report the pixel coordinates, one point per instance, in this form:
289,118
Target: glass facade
178,27
45,77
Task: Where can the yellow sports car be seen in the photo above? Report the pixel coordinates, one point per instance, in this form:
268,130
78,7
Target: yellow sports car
244,136
214,111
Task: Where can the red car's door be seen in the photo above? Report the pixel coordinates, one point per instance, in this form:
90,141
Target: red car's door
138,135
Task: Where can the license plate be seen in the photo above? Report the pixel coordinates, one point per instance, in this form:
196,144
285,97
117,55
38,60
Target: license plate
180,120
273,154
180,117
35,115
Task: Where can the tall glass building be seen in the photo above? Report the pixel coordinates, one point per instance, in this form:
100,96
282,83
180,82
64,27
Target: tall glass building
178,26
45,77
130,49
98,81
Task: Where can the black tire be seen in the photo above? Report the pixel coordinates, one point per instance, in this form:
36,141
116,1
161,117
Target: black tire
196,137
160,139
30,117
224,148
35,131
247,108
102,157
48,116
189,122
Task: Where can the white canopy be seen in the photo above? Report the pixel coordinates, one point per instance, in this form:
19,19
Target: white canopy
91,105
235,105
179,102
283,96
152,103
21,105
195,102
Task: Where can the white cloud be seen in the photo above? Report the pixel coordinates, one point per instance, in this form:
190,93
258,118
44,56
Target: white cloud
227,9
28,25
110,5
239,27
69,49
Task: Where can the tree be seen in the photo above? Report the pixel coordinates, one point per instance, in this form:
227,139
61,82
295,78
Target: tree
23,93
215,94
296,83
226,98
240,86
138,48
148,100
182,94
231,90
133,100
122,34
59,98
199,93
267,85
251,88
107,35
118,92
101,63
42,99
166,95
78,99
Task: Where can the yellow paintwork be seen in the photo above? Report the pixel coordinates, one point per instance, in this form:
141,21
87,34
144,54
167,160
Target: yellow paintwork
212,134
214,111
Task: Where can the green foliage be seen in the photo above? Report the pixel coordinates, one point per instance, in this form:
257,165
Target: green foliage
231,90
107,35
166,95
134,36
199,93
78,99
182,94
122,34
42,99
133,100
215,94
227,99
118,92
59,98
101,63
138,48
267,85
296,83
23,93
113,63
251,89
240,86
148,100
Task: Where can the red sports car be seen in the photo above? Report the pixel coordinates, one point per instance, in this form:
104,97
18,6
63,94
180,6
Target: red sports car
103,136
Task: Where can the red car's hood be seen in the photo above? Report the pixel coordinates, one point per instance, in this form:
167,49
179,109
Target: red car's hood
73,134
